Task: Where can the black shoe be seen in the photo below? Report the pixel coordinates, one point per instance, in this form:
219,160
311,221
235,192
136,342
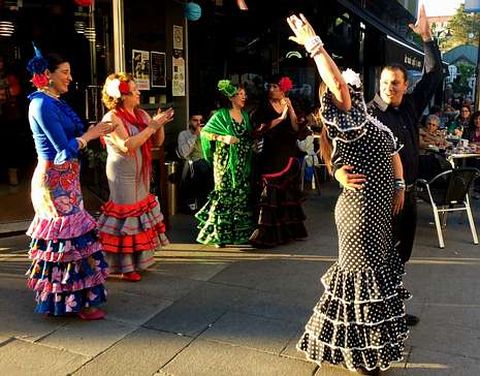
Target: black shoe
220,245
364,371
412,320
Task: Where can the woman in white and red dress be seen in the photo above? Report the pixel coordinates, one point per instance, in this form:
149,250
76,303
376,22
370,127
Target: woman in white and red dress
131,225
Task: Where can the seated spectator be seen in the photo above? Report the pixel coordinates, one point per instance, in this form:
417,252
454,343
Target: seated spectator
197,177
431,137
434,110
459,126
474,127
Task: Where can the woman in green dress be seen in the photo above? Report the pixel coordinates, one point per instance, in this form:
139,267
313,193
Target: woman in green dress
227,216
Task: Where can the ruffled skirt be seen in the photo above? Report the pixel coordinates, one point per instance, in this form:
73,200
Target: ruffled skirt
281,215
130,233
226,218
359,321
68,269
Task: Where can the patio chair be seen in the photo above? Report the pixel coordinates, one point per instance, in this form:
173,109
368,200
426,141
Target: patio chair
447,192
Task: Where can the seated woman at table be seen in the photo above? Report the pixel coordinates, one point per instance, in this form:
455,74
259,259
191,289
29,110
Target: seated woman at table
474,138
431,137
474,127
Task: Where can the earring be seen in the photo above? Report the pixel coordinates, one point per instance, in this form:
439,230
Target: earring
50,83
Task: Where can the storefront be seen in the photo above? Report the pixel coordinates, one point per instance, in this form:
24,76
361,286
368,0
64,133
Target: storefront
98,37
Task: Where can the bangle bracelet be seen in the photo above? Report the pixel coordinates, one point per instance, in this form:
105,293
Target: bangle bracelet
313,43
82,143
316,50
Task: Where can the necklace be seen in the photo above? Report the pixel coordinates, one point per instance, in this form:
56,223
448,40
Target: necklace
49,93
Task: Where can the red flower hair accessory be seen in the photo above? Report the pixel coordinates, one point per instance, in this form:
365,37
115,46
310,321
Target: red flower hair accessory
124,88
84,3
285,84
116,88
39,80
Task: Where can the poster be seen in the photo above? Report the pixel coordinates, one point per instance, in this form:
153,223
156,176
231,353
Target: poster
177,37
158,69
178,74
141,69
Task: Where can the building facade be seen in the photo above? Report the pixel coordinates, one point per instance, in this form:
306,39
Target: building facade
178,62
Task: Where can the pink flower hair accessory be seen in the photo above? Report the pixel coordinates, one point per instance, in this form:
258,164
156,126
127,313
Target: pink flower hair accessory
285,84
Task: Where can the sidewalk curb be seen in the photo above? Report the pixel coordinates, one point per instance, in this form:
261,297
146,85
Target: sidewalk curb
14,228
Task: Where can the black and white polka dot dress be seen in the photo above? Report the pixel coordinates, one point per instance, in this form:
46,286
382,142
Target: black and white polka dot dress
360,318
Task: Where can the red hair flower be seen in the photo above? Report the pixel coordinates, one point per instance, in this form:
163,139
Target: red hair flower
39,80
84,3
124,87
285,84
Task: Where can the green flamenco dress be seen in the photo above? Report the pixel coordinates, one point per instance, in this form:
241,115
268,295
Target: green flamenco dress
227,217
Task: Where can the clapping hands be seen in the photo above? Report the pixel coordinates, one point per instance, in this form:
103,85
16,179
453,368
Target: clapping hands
162,118
101,129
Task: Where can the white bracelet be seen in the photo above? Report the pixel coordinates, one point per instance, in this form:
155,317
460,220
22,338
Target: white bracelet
313,43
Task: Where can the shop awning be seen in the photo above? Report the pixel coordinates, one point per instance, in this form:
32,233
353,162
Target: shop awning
397,48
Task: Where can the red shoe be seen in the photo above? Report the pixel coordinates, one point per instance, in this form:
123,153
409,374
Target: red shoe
132,276
88,314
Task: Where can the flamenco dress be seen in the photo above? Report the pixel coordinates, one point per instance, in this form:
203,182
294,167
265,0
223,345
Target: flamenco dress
280,214
359,321
131,224
68,269
227,216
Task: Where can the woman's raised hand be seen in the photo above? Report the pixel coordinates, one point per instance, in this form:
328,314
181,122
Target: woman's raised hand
301,28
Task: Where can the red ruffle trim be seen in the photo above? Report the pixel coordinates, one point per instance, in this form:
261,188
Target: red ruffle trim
112,209
143,241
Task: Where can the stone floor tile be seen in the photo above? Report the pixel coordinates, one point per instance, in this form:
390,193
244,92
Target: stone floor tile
142,352
19,358
205,358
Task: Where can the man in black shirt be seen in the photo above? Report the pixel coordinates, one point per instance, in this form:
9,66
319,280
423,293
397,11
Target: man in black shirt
401,112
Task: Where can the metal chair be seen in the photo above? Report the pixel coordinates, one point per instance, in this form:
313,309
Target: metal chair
448,192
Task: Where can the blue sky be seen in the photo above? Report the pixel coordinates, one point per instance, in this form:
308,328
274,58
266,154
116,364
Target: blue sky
441,7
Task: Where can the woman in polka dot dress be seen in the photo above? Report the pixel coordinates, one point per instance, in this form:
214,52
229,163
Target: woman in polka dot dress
359,321
227,217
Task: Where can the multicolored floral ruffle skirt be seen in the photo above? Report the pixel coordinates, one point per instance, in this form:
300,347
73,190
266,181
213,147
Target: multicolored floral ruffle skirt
130,233
68,269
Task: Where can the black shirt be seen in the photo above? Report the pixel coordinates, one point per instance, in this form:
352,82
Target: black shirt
279,143
403,120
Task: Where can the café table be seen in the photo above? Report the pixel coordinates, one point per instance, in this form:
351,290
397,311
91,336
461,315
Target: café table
456,157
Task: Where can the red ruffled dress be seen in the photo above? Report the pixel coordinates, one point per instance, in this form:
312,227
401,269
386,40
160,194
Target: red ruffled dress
131,225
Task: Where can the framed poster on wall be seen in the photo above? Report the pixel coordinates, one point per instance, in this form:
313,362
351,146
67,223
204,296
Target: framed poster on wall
158,69
141,69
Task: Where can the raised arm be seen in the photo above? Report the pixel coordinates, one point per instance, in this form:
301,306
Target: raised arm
328,70
432,64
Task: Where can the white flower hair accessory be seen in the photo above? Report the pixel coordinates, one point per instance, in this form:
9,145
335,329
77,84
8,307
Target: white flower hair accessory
352,78
112,88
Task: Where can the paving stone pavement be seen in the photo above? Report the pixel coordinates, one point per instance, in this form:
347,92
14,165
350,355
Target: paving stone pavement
239,311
